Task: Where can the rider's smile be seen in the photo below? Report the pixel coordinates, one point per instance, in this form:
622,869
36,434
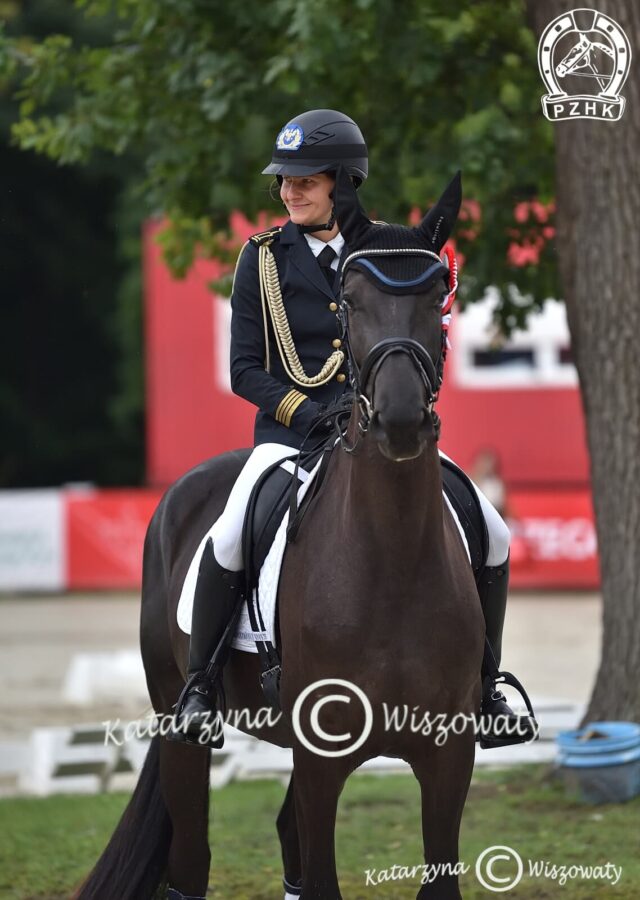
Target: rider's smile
307,198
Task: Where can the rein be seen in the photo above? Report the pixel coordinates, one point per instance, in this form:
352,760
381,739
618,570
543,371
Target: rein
431,373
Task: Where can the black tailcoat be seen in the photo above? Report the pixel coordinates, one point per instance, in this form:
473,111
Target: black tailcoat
285,409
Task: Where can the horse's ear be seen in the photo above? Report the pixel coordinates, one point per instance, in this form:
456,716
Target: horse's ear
352,221
438,223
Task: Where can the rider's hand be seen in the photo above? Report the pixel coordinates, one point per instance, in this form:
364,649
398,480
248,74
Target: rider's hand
305,415
321,424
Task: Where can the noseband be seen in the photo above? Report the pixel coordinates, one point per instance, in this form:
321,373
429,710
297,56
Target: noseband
431,373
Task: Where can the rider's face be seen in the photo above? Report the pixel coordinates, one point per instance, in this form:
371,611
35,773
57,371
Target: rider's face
307,197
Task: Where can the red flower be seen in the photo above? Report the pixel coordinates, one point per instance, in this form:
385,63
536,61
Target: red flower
539,210
474,209
523,254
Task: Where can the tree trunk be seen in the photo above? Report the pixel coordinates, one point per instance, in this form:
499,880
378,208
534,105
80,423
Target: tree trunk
598,223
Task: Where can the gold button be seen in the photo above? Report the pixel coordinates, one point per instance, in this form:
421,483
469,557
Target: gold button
341,377
337,343
333,307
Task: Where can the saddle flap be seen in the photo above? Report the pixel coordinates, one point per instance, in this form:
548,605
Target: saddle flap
268,504
464,500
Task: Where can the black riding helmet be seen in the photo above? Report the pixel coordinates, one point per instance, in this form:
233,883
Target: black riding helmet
319,141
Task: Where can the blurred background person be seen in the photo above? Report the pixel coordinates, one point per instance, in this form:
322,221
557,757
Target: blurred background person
485,472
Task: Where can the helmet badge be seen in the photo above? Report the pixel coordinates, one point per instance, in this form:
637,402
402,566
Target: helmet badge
290,138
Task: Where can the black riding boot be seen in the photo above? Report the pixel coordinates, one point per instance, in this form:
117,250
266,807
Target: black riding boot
500,726
217,603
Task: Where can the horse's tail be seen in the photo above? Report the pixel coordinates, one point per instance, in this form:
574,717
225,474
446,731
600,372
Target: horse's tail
134,862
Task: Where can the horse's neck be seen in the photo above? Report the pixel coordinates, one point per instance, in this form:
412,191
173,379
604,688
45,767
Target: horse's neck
397,503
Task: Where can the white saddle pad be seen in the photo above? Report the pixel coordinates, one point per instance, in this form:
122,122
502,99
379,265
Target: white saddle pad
245,637
268,583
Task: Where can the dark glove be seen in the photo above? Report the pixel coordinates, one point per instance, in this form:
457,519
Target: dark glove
323,424
305,415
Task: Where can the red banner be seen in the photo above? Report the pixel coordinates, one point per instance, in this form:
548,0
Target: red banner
105,537
553,539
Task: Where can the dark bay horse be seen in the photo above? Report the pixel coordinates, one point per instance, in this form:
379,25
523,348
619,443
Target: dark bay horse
376,591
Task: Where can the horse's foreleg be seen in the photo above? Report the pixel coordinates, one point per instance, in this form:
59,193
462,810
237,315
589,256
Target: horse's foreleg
444,774
184,776
319,782
287,825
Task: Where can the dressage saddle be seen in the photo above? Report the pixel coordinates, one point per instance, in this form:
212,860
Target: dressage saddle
271,498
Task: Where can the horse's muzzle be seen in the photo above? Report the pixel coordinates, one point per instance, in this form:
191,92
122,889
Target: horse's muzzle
401,437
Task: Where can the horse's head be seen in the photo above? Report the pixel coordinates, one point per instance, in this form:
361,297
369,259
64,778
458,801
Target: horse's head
393,287
576,58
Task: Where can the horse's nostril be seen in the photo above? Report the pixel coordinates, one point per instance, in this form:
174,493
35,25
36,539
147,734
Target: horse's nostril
391,423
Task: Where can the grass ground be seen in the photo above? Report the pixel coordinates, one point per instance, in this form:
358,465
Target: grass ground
47,845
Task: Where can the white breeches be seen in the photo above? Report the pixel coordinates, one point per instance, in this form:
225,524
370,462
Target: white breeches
227,542
227,531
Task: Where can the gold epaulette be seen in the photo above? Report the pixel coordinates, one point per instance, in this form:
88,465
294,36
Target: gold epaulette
263,236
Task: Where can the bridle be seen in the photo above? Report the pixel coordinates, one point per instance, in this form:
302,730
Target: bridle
430,372
359,377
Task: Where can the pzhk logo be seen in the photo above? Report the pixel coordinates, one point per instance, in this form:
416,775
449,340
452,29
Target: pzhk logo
583,43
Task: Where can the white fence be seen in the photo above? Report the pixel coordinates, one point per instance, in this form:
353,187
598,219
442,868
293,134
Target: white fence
80,760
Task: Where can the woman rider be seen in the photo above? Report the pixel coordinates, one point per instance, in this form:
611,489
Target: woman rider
291,387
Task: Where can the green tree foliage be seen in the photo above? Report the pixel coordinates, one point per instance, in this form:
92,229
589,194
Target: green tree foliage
199,89
71,396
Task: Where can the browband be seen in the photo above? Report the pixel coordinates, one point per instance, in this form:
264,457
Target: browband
395,283
408,251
